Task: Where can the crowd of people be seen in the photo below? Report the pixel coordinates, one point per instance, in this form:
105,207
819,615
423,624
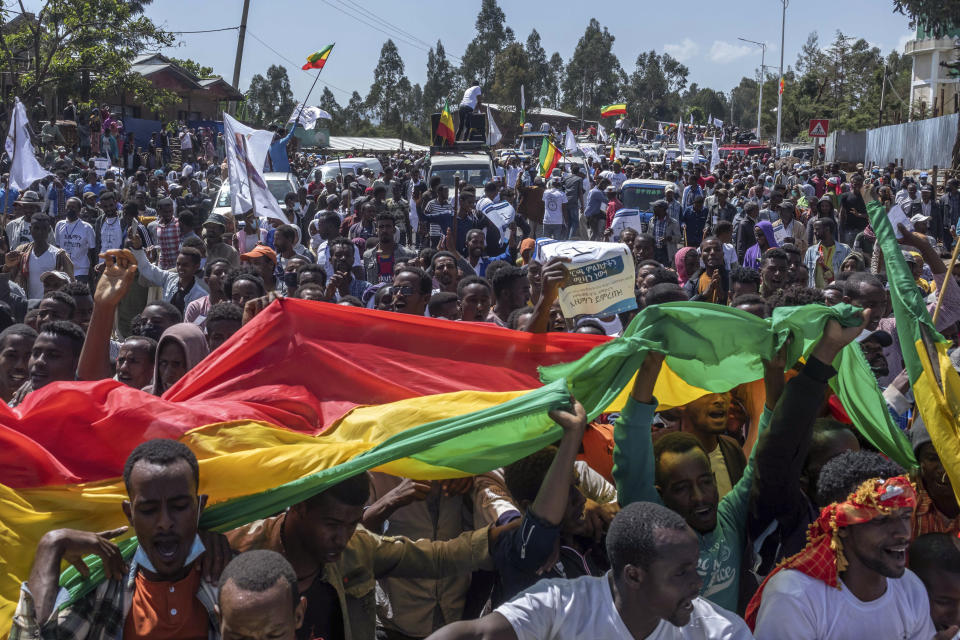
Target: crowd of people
724,518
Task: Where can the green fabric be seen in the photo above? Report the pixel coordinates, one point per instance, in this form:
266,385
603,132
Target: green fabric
710,346
908,305
474,443
717,348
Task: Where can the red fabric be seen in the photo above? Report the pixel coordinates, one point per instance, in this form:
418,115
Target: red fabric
837,412
299,364
822,558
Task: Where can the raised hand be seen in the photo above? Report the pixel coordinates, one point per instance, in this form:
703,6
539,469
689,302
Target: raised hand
120,267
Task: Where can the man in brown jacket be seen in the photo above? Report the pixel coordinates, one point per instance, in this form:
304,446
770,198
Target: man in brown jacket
338,563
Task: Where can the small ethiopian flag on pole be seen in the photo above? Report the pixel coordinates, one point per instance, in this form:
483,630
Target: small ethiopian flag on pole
318,59
613,110
549,157
445,126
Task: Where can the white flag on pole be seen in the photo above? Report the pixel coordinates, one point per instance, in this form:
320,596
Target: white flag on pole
569,141
691,118
523,102
601,133
308,118
714,154
493,131
660,128
24,168
680,140
246,152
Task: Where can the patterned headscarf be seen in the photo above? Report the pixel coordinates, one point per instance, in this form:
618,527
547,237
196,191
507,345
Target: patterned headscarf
823,557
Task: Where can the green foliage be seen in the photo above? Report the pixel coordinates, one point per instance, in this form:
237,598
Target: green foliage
654,88
492,36
386,95
80,46
195,67
539,71
270,98
510,70
936,17
593,76
553,81
440,80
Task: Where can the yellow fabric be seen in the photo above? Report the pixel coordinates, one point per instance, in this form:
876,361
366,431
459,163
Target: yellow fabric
940,408
670,391
227,453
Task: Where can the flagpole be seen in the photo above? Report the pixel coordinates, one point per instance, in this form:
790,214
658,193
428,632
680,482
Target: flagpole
304,103
953,261
6,195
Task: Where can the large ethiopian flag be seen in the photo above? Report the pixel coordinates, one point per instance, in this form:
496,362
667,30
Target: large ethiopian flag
309,393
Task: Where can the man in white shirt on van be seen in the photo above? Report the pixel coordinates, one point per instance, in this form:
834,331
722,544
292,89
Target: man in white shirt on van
470,103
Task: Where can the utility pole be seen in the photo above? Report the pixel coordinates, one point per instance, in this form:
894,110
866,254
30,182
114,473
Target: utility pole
243,34
883,93
583,94
763,59
783,31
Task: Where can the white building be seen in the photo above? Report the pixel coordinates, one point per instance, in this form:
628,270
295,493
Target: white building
933,87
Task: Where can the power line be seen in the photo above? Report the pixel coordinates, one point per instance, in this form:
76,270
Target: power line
207,30
296,65
406,35
387,24
373,26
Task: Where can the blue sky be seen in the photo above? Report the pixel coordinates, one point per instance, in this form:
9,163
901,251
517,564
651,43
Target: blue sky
703,35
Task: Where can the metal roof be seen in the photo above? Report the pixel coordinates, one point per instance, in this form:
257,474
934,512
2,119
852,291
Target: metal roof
349,143
534,111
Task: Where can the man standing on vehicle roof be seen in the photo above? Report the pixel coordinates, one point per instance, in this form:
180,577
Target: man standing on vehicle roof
470,103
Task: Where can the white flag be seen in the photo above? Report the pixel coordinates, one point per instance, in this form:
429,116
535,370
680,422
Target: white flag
601,133
714,154
502,215
680,141
308,118
618,150
691,118
493,131
660,128
246,152
569,141
24,168
523,101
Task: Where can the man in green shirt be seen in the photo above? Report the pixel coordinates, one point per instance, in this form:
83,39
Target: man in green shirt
677,473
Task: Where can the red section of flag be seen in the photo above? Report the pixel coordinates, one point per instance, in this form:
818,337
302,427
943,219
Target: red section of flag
299,364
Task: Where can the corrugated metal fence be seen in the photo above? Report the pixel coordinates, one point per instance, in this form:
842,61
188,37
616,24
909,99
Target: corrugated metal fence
845,146
921,144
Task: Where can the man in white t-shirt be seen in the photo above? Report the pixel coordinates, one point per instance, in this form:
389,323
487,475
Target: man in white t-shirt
553,200
851,580
650,593
78,239
471,101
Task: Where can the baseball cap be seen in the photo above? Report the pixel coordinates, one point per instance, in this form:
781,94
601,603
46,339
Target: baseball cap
919,217
879,335
259,251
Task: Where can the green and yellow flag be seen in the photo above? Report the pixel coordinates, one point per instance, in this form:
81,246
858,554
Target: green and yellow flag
445,126
935,383
318,59
549,157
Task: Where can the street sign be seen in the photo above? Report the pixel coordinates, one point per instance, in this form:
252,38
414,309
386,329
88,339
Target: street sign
819,128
